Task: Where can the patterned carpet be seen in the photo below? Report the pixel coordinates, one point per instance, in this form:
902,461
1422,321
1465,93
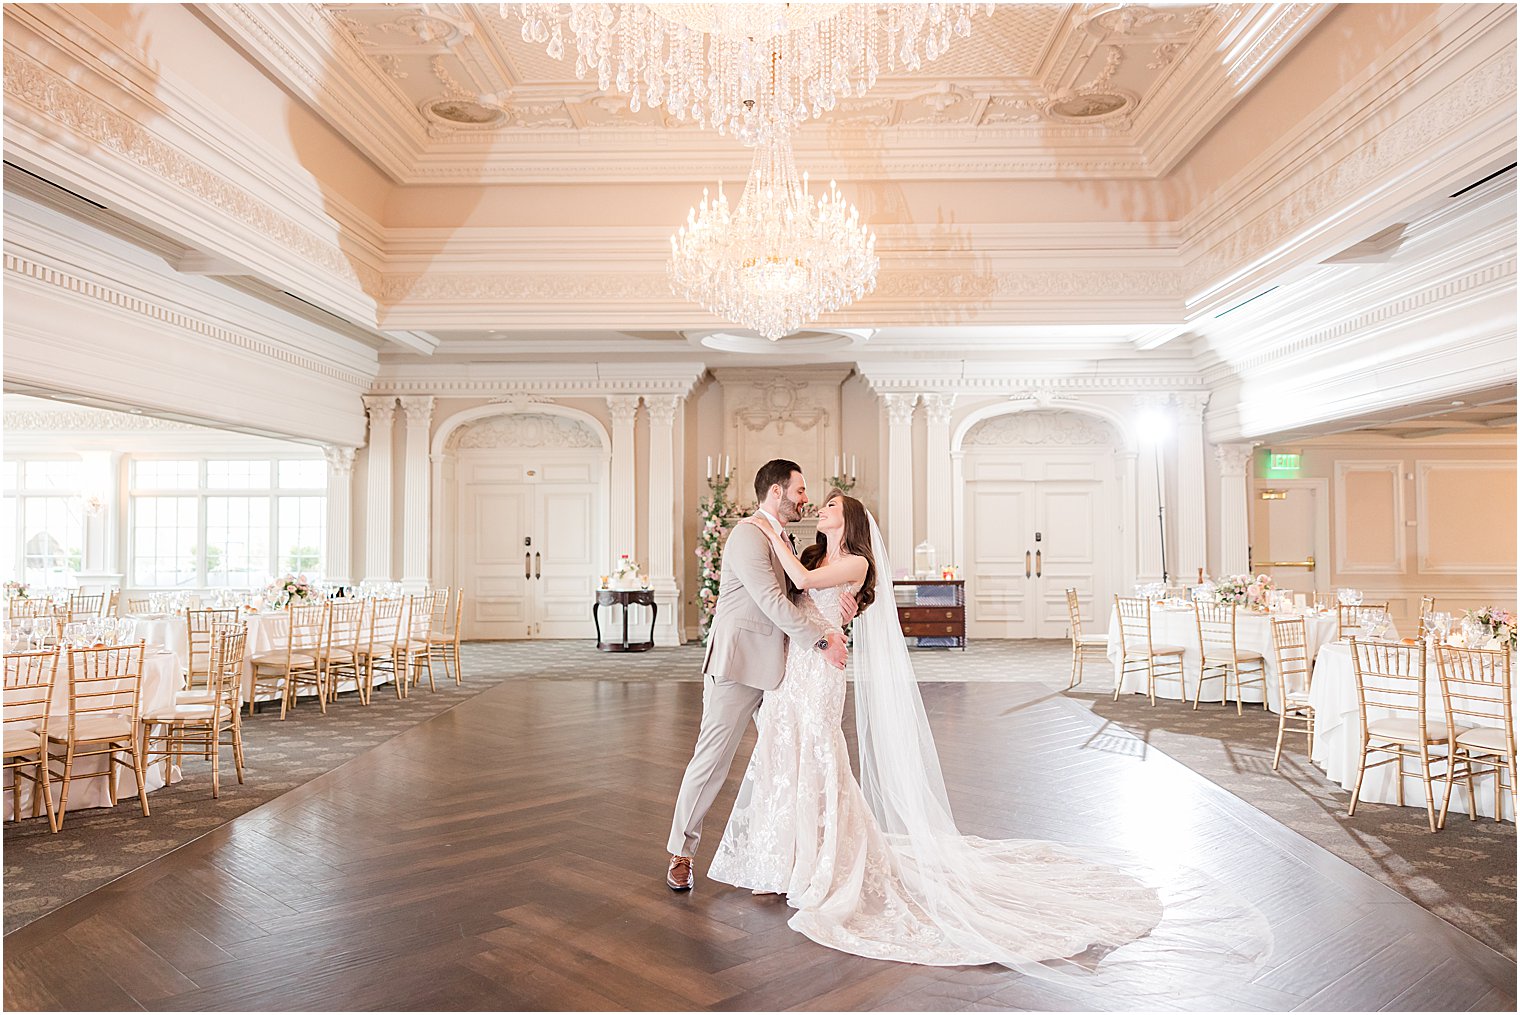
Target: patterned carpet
1465,874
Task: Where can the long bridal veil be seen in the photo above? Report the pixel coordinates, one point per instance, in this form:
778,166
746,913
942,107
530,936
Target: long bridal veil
1089,916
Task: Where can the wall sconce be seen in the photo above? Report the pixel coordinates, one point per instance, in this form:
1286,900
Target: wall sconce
1273,494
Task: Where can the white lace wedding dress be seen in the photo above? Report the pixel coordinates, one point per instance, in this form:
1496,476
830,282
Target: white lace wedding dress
801,827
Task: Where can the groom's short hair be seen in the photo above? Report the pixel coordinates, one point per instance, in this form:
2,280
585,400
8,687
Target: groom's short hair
777,470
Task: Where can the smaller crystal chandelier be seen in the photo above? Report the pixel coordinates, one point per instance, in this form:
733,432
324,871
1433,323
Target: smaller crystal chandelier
781,258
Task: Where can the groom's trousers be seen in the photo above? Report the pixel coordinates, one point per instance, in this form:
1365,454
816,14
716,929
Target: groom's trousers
727,708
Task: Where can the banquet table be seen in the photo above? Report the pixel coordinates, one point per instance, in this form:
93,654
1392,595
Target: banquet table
267,632
1338,738
161,678
1178,625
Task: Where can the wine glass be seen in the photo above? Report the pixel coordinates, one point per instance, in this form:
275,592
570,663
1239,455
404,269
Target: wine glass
1376,623
1350,597
1438,624
73,633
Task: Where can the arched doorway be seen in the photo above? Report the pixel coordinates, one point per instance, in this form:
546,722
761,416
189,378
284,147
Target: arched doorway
1043,507
524,502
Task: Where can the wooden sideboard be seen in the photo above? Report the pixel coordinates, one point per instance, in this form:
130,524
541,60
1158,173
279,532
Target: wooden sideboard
932,609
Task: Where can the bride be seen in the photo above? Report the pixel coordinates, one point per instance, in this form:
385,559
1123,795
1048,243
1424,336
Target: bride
878,868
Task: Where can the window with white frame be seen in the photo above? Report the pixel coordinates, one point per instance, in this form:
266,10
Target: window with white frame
228,522
43,515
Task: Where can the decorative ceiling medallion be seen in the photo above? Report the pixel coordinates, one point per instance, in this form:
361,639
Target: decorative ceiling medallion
810,340
1090,107
460,111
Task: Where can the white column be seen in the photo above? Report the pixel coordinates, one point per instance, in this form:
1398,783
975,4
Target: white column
940,525
1128,512
415,524
337,554
623,409
1234,507
662,515
1190,513
101,495
377,508
899,534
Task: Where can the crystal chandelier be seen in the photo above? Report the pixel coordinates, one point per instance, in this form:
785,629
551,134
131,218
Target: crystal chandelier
781,258
750,69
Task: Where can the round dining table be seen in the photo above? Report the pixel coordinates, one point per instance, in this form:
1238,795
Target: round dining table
1338,738
160,679
1178,625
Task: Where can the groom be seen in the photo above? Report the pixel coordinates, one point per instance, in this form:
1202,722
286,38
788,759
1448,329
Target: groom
746,653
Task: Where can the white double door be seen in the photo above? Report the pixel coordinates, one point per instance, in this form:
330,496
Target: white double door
529,540
1027,543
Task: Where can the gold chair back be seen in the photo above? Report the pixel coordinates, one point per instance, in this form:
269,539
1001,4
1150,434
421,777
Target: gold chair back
104,681
1427,606
440,609
29,680
1348,619
22,609
1134,625
229,644
1290,641
1074,609
1390,677
1216,631
1476,685
199,626
82,605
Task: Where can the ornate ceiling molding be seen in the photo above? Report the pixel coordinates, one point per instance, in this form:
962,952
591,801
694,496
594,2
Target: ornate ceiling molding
520,383
89,421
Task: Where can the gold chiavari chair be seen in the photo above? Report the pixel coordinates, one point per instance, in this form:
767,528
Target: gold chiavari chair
105,692
113,603
340,656
382,648
440,608
1326,600
1221,657
206,726
298,662
1427,606
1141,651
1290,640
29,680
135,605
199,626
1391,678
24,609
445,643
1082,645
1348,619
83,606
1476,688
417,649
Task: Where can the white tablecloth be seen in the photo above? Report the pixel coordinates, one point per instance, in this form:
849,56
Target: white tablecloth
1179,626
160,681
1338,739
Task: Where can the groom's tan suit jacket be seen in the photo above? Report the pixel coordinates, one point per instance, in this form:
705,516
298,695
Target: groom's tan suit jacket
754,616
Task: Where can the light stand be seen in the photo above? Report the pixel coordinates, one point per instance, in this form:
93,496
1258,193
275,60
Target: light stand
1160,512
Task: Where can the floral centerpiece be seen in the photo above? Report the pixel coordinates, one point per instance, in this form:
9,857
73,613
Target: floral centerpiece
1244,590
715,517
1490,624
291,590
15,590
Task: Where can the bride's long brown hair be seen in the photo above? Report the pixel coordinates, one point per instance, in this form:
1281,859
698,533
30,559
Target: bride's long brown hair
855,539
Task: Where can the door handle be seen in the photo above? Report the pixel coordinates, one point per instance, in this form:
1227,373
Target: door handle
527,565
1037,565
1027,572
1290,563
538,566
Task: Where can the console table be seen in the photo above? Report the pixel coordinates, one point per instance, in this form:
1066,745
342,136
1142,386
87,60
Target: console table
624,598
932,610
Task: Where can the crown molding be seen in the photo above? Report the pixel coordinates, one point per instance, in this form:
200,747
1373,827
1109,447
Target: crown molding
486,380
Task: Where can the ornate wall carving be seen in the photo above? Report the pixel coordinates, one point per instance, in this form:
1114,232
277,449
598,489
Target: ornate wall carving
1057,428
524,430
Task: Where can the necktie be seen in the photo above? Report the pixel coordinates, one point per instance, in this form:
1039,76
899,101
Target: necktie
792,541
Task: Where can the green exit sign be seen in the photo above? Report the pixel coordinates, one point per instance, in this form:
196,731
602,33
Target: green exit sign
1282,465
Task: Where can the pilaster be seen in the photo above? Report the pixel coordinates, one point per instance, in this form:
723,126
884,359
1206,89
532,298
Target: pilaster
337,562
899,521
1234,507
381,410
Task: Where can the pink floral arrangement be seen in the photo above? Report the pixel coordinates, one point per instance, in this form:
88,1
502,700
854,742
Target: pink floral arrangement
1243,590
1494,623
290,590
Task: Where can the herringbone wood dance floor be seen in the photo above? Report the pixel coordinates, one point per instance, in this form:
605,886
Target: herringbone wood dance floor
507,854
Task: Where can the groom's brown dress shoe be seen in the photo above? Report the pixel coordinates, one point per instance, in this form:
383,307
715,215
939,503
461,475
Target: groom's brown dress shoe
679,876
